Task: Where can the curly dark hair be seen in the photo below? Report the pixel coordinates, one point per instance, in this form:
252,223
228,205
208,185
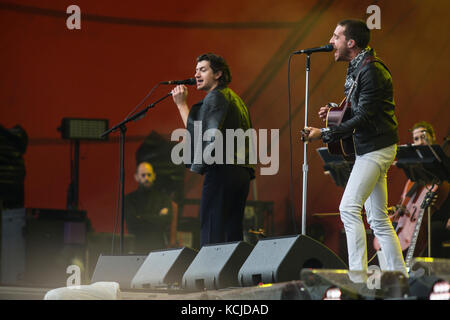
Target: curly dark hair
217,64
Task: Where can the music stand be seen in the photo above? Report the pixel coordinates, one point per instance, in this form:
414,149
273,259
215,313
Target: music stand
336,166
424,164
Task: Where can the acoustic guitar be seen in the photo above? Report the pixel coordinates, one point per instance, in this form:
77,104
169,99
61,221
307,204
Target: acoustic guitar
345,145
341,113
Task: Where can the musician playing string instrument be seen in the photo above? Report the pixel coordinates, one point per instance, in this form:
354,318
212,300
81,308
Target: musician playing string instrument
404,212
373,125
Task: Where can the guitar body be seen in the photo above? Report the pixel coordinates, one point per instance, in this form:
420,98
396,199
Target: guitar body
407,223
335,116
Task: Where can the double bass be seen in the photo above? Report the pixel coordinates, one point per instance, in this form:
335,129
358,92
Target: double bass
409,216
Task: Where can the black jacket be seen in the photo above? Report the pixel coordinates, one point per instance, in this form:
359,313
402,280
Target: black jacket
220,109
373,122
143,218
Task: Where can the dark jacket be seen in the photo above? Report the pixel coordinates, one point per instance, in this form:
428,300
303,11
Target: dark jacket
221,109
143,218
373,122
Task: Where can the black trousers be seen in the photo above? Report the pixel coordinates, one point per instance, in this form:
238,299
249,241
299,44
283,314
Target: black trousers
225,191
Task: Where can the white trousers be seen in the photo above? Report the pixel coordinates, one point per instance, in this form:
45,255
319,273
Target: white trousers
367,186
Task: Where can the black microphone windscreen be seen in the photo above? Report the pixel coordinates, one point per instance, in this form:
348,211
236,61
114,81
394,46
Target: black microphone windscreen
329,47
191,81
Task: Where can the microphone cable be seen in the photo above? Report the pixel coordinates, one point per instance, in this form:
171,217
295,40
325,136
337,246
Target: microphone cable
145,98
118,203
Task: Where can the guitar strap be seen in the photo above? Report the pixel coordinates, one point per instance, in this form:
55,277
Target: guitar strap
369,59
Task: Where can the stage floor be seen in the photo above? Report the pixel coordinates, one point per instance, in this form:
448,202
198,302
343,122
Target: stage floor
266,292
291,290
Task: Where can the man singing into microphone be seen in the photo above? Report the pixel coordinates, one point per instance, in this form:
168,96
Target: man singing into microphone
373,124
225,186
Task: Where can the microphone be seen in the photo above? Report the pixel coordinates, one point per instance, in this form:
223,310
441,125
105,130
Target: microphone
190,81
326,48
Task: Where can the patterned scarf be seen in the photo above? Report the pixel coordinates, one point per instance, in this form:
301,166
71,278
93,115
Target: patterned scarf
352,66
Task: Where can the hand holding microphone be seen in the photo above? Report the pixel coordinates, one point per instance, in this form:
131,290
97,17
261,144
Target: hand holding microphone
179,94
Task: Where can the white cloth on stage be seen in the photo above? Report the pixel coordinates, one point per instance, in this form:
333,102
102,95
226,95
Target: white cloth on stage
95,291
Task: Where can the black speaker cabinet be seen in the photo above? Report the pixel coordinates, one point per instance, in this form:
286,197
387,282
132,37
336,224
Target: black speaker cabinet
119,269
216,266
13,247
281,259
164,268
38,246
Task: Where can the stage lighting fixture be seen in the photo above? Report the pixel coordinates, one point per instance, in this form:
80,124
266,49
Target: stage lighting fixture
83,129
330,284
333,293
327,284
429,288
441,291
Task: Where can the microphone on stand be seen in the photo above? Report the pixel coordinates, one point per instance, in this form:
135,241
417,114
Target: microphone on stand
190,81
326,48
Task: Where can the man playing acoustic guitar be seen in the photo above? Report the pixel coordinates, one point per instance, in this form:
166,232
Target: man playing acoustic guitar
373,126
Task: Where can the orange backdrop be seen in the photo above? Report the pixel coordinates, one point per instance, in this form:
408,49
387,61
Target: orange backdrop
124,48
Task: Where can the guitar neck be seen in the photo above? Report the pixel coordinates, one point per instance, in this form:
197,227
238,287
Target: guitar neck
412,246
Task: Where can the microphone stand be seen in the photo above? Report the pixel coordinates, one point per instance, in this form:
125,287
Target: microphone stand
429,207
305,149
122,126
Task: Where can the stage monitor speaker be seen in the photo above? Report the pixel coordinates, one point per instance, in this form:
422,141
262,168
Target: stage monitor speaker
216,266
119,269
281,259
163,268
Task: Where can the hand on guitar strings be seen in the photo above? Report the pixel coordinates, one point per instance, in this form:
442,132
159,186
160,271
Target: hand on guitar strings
323,112
311,134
